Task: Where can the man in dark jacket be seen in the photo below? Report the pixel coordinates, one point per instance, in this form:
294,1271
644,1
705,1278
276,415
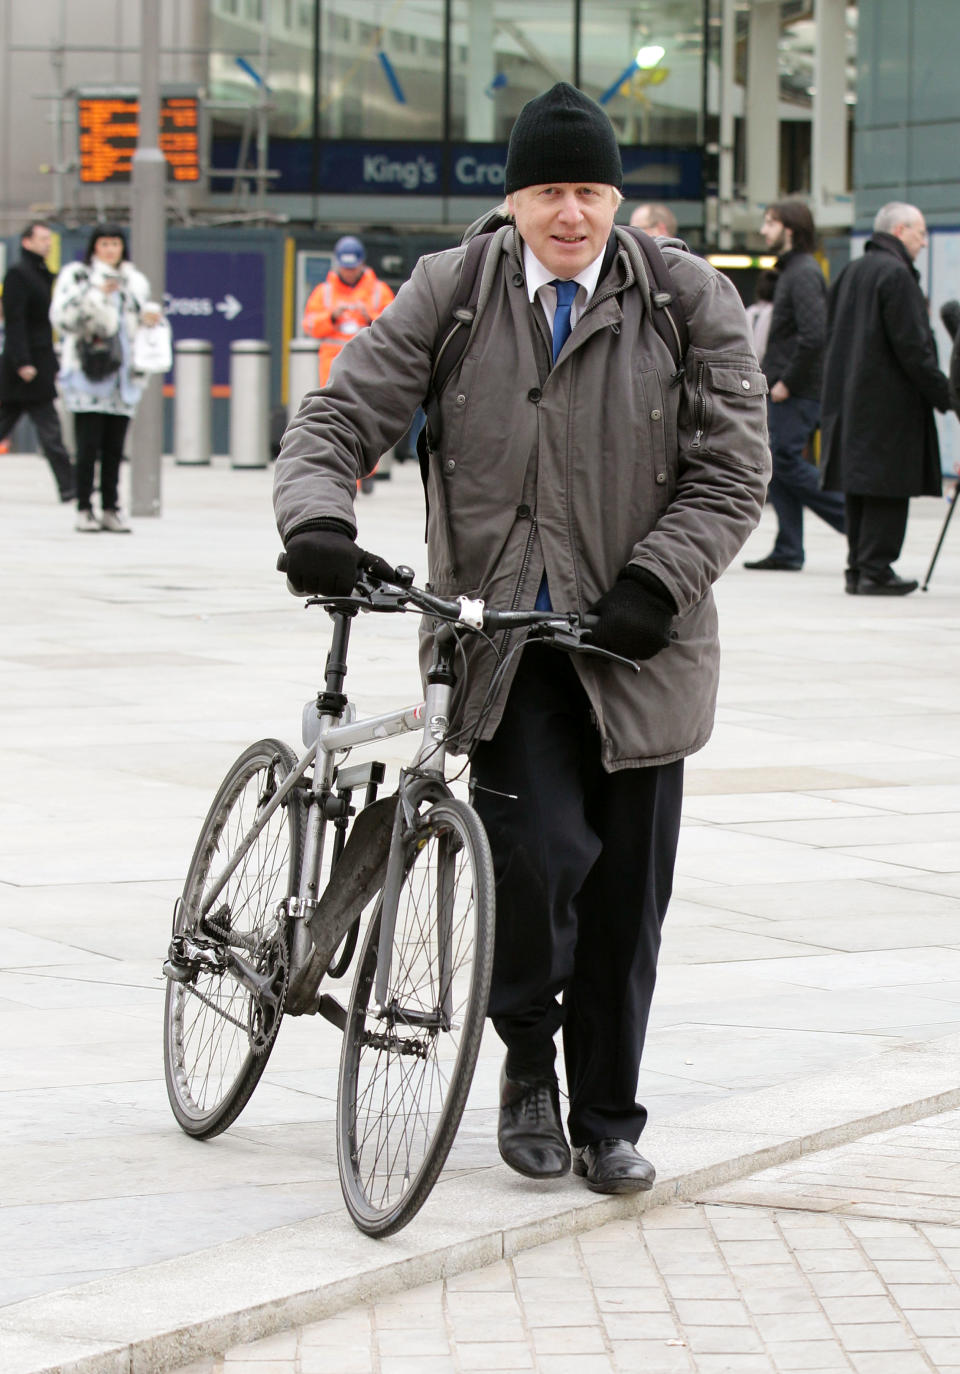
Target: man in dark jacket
792,365
28,368
568,471
882,384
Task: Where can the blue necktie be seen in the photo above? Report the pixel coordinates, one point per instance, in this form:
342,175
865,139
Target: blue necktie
566,291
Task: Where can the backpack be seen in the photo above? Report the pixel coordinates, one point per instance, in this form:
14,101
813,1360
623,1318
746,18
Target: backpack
451,341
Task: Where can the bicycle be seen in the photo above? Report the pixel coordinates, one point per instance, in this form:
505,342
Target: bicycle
256,929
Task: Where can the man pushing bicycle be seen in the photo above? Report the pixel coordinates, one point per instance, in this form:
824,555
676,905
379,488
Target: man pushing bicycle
577,462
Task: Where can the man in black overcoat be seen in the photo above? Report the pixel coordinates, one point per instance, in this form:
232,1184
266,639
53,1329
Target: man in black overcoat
28,367
882,383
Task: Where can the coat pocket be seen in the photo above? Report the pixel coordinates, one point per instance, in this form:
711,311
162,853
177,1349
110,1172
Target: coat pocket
728,394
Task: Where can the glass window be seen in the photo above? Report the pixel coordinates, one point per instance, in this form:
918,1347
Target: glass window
289,72
383,84
505,51
644,61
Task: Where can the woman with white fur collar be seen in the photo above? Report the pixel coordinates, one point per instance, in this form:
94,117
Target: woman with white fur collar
104,297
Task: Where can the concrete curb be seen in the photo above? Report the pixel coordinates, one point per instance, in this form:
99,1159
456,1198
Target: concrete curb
161,1317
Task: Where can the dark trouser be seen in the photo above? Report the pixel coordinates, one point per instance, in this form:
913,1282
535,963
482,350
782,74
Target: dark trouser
46,422
795,482
876,526
99,438
584,867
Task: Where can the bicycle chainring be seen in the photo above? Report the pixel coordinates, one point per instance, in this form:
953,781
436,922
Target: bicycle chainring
266,1013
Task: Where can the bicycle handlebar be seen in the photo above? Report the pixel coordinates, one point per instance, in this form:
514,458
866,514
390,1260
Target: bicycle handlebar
380,587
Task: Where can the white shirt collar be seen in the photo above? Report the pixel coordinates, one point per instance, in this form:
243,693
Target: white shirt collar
538,276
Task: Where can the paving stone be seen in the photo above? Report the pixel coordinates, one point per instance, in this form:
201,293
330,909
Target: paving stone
875,1336
568,1340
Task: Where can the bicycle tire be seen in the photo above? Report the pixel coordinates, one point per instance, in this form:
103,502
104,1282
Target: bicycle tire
405,1070
216,1041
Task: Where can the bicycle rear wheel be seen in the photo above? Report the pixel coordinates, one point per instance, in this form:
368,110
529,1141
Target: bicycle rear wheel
217,1033
406,1067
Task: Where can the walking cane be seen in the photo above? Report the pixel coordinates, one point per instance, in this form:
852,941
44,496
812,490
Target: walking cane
943,533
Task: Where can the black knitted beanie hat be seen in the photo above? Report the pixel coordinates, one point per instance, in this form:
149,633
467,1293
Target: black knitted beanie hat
562,135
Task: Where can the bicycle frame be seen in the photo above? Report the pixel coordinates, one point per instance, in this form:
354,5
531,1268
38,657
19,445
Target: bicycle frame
334,736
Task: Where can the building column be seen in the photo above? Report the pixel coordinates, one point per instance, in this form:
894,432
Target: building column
728,95
829,171
762,104
480,107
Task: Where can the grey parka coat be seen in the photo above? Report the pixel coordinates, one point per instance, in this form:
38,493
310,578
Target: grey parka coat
578,469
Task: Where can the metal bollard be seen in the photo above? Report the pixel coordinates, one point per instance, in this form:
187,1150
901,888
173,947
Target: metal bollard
249,403
302,374
192,410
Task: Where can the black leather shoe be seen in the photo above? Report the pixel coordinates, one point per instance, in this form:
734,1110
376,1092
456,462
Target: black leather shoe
851,582
529,1134
772,564
613,1166
888,586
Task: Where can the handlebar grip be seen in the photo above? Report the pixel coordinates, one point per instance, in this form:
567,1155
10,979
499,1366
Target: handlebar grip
282,561
379,567
590,622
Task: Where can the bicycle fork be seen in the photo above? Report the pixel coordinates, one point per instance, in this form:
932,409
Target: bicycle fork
422,782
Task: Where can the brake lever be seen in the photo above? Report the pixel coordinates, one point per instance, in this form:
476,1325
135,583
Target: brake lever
571,639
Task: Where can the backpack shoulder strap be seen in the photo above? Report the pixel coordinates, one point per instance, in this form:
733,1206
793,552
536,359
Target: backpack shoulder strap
450,343
669,319
452,339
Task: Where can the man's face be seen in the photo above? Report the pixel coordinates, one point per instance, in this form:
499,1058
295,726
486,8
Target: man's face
39,240
774,234
565,224
913,236
351,275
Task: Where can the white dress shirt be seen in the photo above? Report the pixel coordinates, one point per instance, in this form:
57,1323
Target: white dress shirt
540,279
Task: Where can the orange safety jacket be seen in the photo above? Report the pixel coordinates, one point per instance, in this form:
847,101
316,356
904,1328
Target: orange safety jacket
370,293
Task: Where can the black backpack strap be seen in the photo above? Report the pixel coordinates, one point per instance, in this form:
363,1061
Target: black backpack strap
669,319
451,342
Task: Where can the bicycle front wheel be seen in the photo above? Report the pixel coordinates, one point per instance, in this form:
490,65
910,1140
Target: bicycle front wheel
218,1033
406,1066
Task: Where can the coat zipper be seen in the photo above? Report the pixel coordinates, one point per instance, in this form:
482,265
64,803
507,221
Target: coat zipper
699,409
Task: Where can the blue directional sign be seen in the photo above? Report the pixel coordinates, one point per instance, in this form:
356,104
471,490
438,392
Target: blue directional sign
216,296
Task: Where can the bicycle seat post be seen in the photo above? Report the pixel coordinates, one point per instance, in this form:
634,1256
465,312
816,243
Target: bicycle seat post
332,701
331,705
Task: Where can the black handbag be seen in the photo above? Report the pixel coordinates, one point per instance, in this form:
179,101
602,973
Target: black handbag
100,357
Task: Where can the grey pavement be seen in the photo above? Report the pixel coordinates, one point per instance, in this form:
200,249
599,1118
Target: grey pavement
846,1260
810,978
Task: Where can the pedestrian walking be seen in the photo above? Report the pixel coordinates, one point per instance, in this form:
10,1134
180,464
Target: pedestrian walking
564,472
28,366
98,306
882,383
792,363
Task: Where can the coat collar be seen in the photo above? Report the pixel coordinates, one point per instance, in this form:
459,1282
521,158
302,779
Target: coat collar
34,260
881,242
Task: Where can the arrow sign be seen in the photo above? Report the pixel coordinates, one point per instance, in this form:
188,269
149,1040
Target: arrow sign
229,307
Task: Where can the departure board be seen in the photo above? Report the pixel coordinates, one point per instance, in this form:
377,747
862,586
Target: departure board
109,125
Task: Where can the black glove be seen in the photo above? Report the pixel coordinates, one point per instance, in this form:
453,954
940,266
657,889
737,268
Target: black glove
635,615
322,562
